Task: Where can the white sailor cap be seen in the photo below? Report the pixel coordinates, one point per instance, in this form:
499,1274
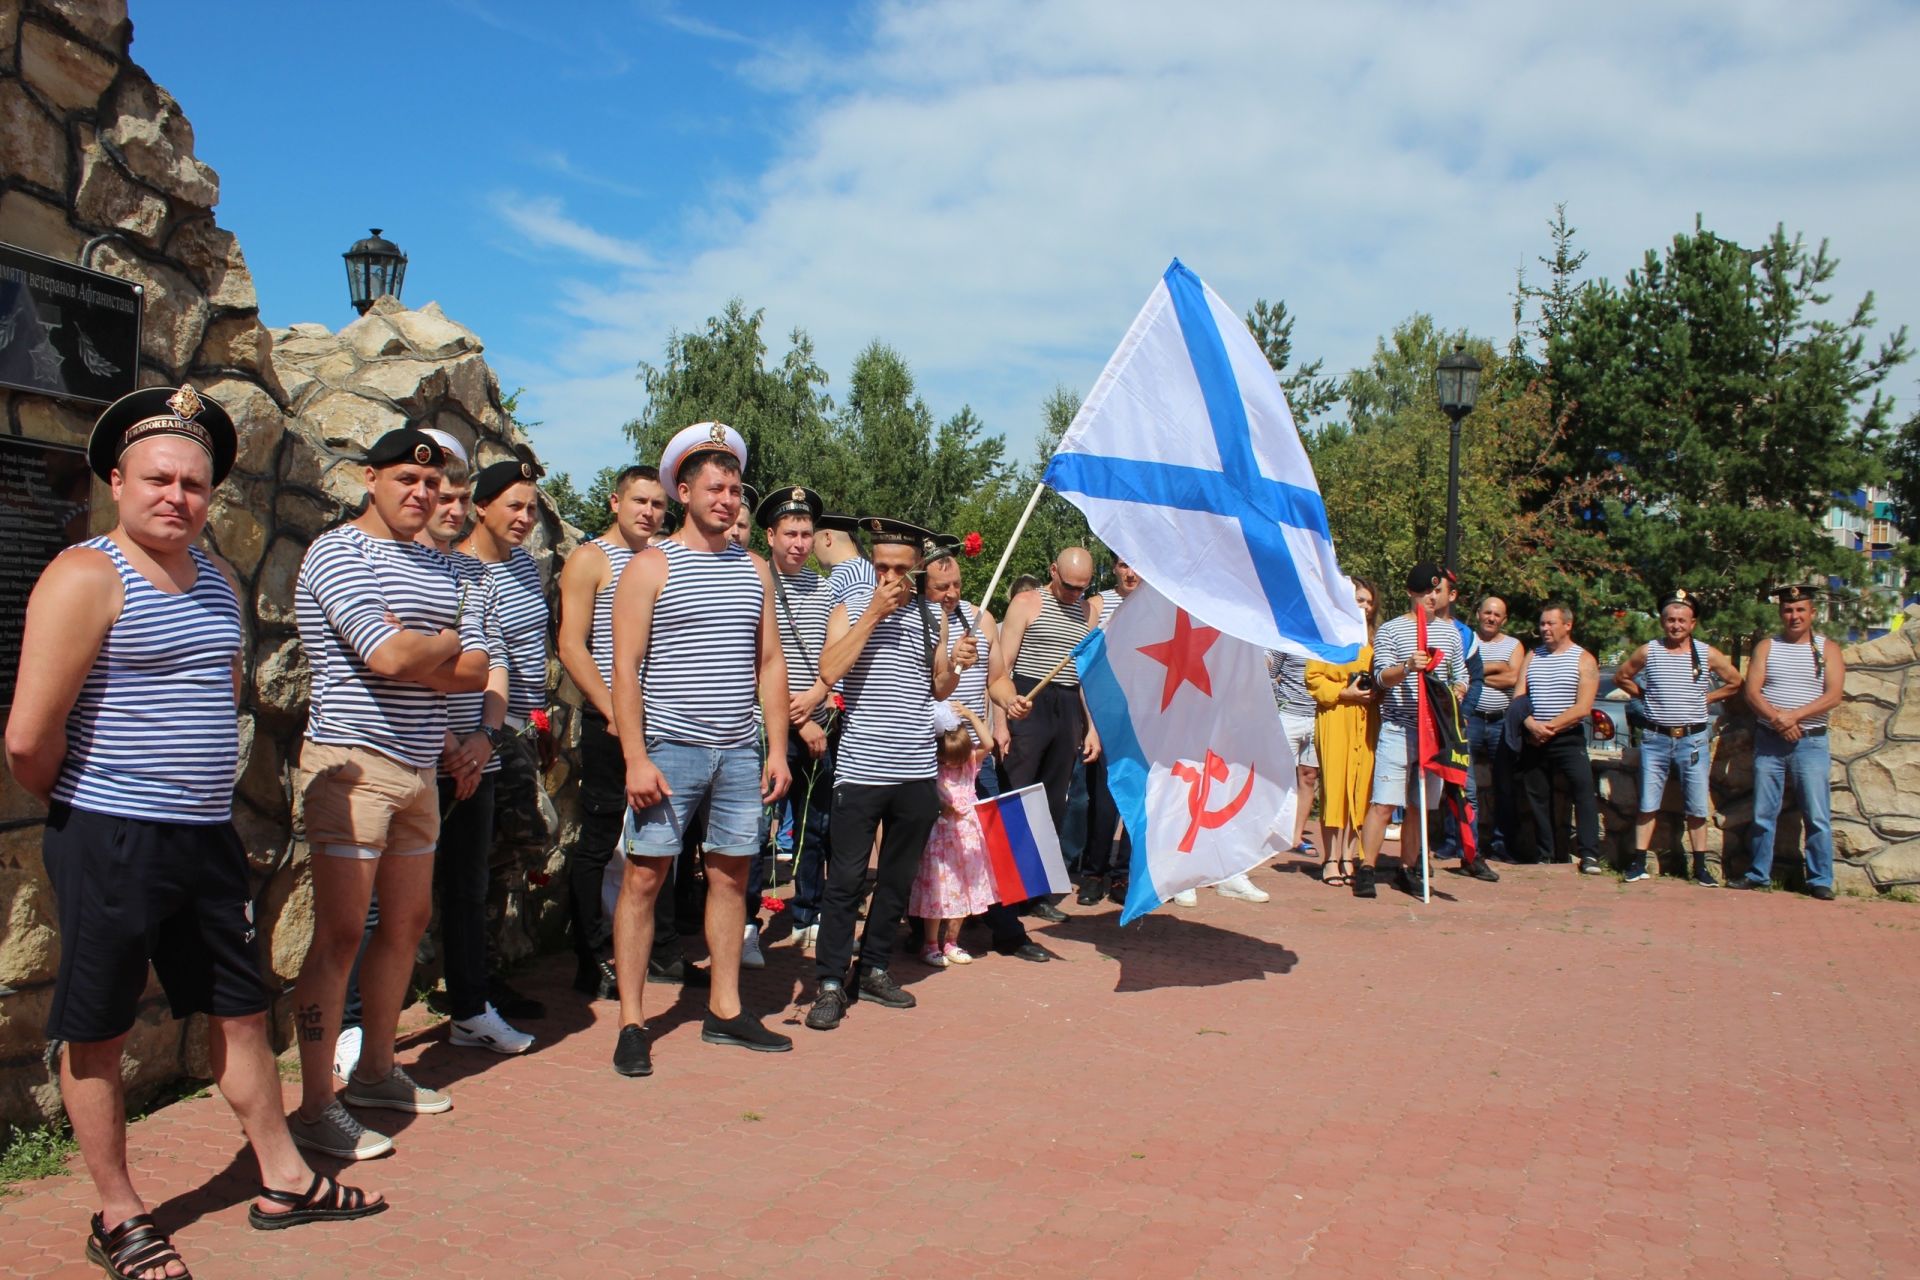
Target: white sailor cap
701,437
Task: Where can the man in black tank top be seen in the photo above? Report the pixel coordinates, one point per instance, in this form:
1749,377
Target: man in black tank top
1794,679
1672,672
1051,731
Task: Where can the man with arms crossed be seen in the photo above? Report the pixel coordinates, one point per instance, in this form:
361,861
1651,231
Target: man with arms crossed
1559,680
123,721
696,613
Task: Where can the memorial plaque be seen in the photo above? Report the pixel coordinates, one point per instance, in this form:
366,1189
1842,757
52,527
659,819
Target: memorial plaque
66,331
46,495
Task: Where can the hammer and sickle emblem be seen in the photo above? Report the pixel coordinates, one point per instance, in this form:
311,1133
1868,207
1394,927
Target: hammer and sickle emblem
1199,782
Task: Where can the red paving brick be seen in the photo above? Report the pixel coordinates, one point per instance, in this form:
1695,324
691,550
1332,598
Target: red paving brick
1546,1077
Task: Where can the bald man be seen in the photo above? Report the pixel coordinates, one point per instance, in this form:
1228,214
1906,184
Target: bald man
1051,729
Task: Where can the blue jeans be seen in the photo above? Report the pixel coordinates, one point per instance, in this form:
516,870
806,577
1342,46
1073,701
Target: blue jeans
1502,815
1808,763
1661,756
726,778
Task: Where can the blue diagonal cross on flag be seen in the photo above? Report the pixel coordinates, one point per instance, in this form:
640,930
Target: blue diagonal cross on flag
1186,461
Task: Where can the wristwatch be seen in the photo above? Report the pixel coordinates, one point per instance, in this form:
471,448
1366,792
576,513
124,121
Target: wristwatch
493,735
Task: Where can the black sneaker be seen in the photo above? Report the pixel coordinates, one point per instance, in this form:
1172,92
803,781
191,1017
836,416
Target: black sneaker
1117,892
1591,867
828,1007
1637,870
1405,881
1479,870
1703,874
631,1056
1044,910
1363,882
1823,892
1748,882
1092,890
595,978
744,1032
878,986
510,1003
1029,951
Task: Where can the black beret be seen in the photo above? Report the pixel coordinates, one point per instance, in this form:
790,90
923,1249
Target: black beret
889,532
1424,577
406,444
1793,593
496,479
795,501
162,411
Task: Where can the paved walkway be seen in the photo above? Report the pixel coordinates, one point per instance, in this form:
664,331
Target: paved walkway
1546,1077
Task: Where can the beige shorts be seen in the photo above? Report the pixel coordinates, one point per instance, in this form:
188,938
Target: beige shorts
360,803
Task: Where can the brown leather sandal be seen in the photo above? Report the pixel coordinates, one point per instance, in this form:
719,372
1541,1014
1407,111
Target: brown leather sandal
132,1249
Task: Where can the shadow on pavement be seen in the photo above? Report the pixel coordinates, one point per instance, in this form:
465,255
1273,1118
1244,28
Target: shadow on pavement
1171,951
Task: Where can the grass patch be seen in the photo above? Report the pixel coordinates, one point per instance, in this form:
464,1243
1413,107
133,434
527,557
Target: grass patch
35,1153
750,1115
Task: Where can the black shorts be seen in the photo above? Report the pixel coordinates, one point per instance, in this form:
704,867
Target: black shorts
132,892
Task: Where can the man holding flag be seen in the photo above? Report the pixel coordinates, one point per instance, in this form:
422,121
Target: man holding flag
1405,648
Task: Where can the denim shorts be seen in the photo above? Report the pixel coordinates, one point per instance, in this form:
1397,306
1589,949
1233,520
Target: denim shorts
1390,775
1662,756
726,779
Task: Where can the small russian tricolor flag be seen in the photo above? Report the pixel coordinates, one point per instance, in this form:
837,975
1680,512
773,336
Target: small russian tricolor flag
1023,848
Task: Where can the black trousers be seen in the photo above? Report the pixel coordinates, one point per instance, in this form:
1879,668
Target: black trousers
460,877
1046,744
1103,825
603,802
1563,757
904,812
811,796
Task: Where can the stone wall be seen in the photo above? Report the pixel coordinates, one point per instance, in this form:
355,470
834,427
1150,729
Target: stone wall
1875,739
96,162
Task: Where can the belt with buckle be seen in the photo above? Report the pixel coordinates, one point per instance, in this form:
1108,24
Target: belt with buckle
1495,716
1677,730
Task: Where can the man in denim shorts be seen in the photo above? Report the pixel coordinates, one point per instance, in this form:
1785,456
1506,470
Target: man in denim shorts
1674,676
694,640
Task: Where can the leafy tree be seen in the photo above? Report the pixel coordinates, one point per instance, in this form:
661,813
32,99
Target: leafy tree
585,511
1903,475
1716,408
720,373
1308,394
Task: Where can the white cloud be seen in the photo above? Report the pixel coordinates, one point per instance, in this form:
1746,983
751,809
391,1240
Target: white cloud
992,186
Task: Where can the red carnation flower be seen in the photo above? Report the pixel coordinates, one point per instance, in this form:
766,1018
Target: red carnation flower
839,703
540,721
770,903
972,545
538,879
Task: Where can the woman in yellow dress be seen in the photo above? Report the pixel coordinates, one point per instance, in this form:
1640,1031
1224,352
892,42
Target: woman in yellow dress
1344,733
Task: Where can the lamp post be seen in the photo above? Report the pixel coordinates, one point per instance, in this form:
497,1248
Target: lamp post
375,269
1456,381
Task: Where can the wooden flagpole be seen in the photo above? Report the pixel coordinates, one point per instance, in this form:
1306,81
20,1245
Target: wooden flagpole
1007,554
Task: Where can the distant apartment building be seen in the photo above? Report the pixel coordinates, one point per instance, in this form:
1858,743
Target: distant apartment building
1865,521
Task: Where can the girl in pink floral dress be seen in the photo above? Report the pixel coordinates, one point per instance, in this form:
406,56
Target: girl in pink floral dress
954,880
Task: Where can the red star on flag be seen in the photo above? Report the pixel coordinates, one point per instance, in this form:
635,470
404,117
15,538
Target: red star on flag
1184,657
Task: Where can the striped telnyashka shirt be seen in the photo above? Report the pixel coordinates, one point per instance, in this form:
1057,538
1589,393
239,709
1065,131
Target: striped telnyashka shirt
1553,680
1793,678
466,711
1501,648
800,611
1288,675
1049,638
851,576
1393,645
971,691
151,734
1677,683
888,736
600,632
703,655
348,582
523,620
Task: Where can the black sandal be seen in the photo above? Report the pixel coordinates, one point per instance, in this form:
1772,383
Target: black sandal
336,1204
133,1248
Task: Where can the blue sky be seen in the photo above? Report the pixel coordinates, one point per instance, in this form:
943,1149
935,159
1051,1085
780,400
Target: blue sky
993,186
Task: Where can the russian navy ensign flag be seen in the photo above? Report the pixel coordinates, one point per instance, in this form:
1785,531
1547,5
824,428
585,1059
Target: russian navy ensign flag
1197,759
1185,459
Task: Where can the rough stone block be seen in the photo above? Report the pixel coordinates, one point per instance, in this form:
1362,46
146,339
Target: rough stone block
102,21
1619,789
371,337
299,513
1854,839
414,385
432,335
256,419
1855,727
280,675
1896,865
1888,781
56,421
34,224
148,129
234,527
68,75
351,422
36,148
29,944
108,198
176,310
212,256
273,595
1891,650
1905,723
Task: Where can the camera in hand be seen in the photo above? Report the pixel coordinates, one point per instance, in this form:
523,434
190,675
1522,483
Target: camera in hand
1363,681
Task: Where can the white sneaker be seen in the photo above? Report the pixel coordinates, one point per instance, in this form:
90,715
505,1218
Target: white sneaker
346,1052
806,936
1238,886
1186,898
750,954
1393,831
490,1031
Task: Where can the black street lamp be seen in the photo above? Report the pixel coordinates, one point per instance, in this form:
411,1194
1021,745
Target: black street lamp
375,268
1456,381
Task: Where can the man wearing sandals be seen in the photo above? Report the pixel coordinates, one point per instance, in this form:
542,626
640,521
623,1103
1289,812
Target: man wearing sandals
388,632
123,721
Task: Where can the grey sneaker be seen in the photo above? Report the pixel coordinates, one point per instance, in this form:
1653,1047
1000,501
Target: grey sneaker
336,1133
397,1092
